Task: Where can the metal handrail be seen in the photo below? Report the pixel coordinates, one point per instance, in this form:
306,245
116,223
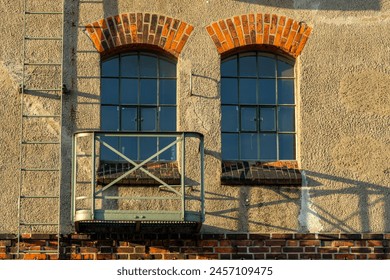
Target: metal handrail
97,194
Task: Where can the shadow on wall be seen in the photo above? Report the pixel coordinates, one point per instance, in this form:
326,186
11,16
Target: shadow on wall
371,200
335,5
367,204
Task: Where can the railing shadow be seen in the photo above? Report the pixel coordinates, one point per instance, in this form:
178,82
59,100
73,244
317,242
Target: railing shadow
370,198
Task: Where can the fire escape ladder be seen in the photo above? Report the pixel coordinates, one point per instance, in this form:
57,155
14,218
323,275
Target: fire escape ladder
41,93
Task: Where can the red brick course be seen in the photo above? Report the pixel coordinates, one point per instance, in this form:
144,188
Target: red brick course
139,28
199,246
259,29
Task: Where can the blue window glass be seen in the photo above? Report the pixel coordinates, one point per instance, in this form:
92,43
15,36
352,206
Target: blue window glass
167,91
230,148
167,119
129,66
110,68
268,149
230,119
129,91
110,91
248,91
286,146
248,119
148,66
267,119
247,65
258,107
286,91
249,146
229,87
229,67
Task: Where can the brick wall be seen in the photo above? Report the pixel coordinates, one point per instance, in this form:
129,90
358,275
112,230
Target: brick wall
201,246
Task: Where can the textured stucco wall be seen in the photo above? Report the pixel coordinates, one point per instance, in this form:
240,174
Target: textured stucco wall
342,85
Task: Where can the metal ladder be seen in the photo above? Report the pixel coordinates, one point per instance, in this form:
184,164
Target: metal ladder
41,92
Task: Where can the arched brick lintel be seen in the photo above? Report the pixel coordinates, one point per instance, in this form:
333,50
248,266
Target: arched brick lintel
259,29
164,32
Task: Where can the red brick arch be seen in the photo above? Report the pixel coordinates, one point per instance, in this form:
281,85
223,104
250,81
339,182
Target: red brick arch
259,29
139,28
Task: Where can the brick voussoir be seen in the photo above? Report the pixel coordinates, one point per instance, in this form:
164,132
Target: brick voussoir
139,28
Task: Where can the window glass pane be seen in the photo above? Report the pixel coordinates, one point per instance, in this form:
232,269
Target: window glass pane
229,67
267,91
285,69
248,119
247,65
230,146
129,119
167,91
109,91
249,146
148,119
167,119
109,118
129,147
148,66
169,154
148,147
148,91
286,91
167,69
286,146
110,67
286,121
267,67
267,119
248,91
105,153
268,146
229,91
230,118
129,66
129,91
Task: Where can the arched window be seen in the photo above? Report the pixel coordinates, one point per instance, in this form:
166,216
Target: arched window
258,107
138,94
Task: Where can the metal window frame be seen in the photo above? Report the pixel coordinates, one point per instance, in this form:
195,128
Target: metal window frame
258,106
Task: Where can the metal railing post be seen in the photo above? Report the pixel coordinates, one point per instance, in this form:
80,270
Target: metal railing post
74,177
93,176
202,191
183,176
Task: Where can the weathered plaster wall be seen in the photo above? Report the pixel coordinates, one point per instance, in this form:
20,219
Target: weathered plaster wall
342,111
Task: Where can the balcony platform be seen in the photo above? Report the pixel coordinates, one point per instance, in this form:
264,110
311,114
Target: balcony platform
121,227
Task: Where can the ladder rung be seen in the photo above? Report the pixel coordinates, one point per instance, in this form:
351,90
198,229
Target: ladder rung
42,64
40,143
43,89
41,116
90,2
39,196
42,13
39,224
39,169
39,251
43,38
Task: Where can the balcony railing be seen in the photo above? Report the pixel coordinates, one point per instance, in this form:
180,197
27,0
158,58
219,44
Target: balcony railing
147,177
